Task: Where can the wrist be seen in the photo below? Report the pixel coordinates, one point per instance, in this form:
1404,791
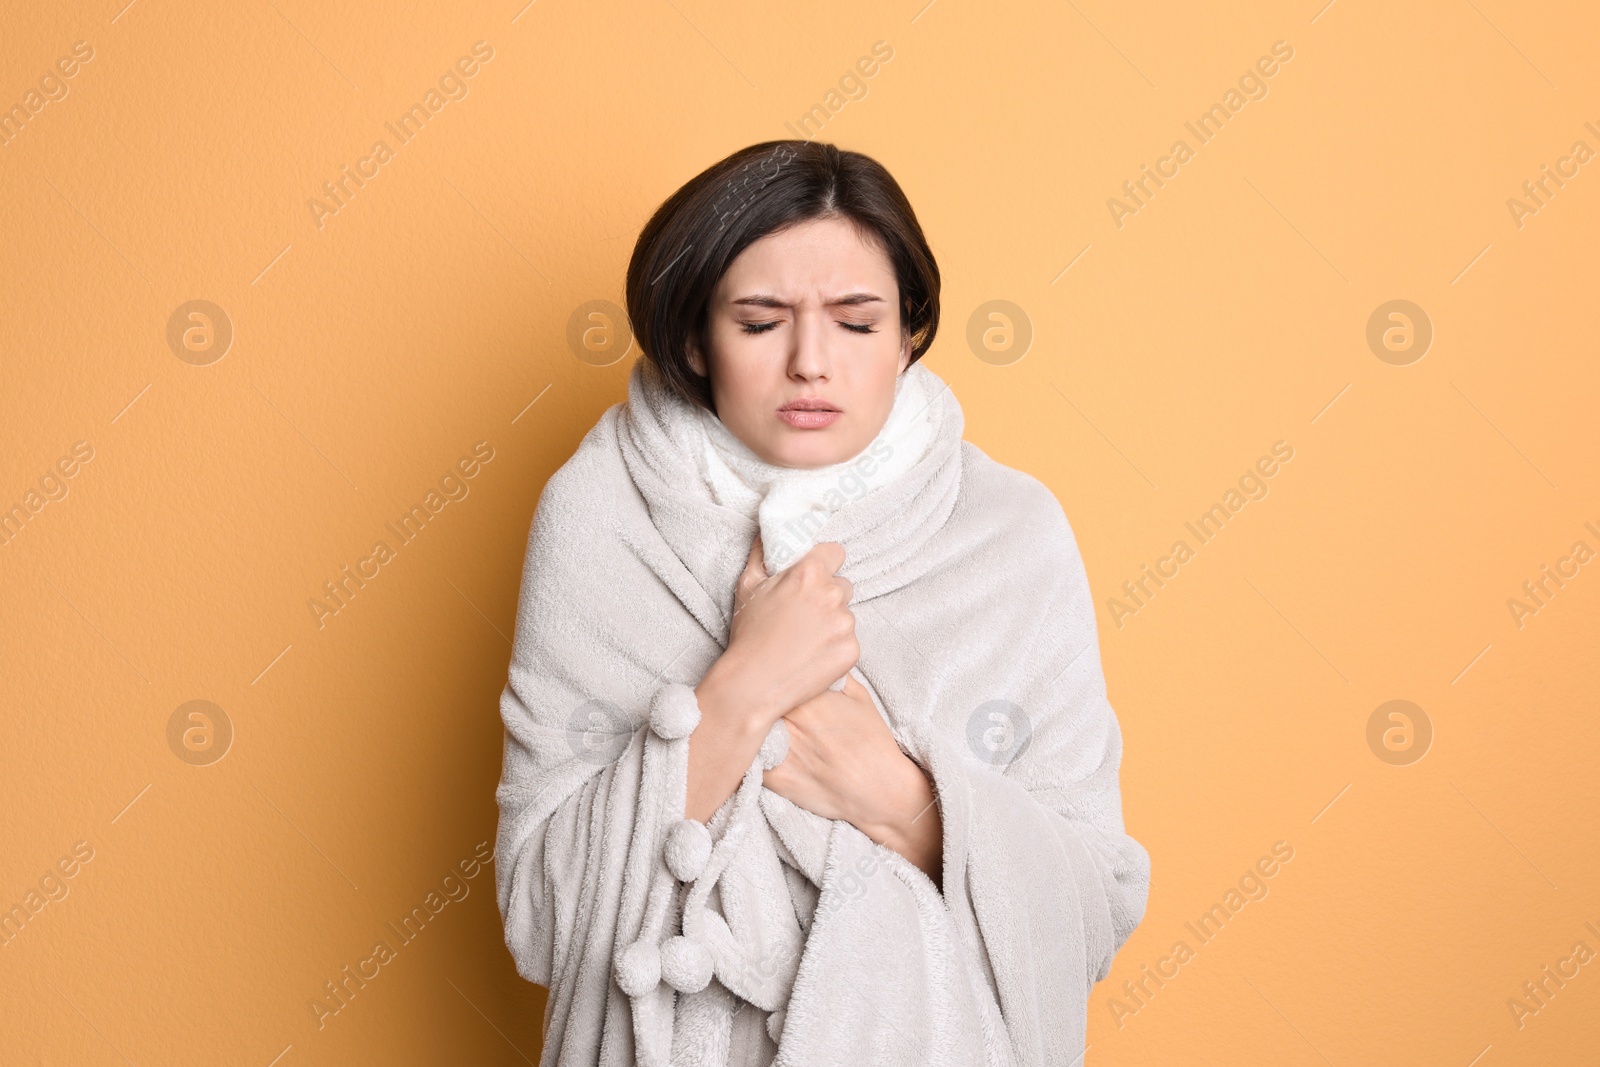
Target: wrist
721,745
728,692
725,714
903,807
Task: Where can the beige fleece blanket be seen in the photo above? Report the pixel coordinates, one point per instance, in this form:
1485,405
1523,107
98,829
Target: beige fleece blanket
773,935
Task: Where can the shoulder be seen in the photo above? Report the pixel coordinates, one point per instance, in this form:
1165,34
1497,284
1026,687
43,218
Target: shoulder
580,509
1022,510
1032,553
584,489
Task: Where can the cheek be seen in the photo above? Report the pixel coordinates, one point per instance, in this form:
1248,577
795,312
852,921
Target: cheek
743,395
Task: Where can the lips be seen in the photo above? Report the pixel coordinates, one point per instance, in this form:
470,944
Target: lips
808,403
809,413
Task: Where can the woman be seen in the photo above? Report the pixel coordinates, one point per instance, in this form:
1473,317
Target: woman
770,798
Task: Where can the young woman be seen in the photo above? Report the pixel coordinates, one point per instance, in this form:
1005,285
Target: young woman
808,753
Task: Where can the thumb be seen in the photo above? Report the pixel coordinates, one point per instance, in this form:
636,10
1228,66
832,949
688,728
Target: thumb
756,564
755,571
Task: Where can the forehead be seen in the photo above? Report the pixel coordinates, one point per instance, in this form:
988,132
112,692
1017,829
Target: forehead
826,258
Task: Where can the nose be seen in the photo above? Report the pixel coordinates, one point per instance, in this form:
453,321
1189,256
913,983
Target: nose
809,356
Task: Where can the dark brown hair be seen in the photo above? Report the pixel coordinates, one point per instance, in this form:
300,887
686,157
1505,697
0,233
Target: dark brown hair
691,239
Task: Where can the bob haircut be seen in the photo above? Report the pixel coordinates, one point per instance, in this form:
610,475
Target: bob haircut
691,239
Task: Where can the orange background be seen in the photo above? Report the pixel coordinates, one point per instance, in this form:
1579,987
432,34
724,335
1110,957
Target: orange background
372,352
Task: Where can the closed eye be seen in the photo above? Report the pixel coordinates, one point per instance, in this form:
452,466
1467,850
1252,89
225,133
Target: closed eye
763,327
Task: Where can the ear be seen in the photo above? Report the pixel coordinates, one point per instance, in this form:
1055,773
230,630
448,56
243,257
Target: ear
696,359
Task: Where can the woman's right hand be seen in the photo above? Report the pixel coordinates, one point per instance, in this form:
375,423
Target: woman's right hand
793,634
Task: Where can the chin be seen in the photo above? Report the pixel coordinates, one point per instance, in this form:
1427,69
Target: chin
811,453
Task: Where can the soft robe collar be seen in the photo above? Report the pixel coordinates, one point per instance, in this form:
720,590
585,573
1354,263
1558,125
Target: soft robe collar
882,532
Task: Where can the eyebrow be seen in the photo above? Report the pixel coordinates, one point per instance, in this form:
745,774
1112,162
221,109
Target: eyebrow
767,301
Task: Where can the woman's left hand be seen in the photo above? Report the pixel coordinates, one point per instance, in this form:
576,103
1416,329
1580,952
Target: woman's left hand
844,763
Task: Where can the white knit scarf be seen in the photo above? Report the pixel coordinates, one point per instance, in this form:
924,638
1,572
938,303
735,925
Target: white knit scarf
792,505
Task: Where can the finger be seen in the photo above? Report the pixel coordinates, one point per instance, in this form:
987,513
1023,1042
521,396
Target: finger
777,778
755,569
826,554
755,563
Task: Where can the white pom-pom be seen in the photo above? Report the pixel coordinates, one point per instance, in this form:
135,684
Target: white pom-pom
674,713
775,1024
688,849
638,968
775,747
685,964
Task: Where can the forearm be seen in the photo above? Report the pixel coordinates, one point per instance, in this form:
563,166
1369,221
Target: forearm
725,742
